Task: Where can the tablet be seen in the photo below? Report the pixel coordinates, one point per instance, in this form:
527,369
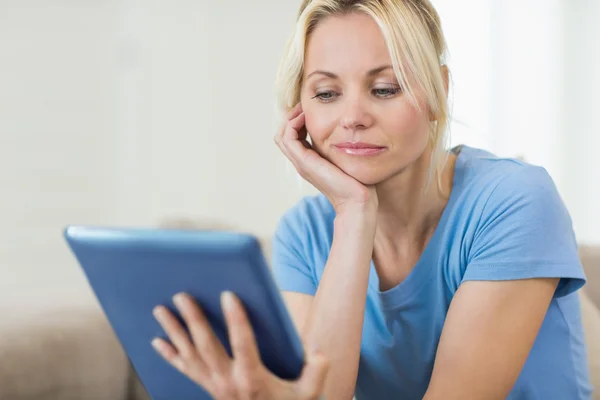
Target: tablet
131,270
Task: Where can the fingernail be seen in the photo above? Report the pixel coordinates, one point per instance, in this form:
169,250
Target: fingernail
158,345
179,299
227,300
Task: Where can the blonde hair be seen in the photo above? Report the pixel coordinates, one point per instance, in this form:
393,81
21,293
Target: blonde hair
417,47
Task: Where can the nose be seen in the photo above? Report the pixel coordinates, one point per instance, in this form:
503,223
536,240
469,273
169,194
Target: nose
355,115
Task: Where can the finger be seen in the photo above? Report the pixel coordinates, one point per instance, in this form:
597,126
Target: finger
208,346
302,133
304,160
168,353
309,164
311,383
294,159
175,332
279,135
297,149
294,111
241,336
291,115
295,128
284,149
298,124
296,131
294,135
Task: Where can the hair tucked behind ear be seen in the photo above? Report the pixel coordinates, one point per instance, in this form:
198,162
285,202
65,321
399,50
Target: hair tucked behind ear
417,47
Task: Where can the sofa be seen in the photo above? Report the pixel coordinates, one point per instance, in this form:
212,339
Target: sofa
71,353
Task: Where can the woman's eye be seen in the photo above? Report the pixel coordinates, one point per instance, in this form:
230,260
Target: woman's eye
326,96
386,92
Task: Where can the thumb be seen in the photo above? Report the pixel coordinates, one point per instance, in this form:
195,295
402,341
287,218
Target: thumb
312,380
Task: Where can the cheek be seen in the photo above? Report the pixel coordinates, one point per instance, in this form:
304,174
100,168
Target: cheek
319,124
413,125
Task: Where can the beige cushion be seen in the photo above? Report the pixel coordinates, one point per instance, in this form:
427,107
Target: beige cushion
61,355
590,258
137,391
591,324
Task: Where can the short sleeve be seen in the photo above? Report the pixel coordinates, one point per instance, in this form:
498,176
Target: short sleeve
525,231
289,261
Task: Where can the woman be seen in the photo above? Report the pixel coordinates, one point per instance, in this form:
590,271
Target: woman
419,273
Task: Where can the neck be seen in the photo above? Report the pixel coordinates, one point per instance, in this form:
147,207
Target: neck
409,208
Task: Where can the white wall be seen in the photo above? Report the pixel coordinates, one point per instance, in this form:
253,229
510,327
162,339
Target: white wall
56,139
527,78
527,82
582,128
469,60
196,133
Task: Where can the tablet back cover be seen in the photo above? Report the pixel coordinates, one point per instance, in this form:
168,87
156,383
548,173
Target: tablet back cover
133,270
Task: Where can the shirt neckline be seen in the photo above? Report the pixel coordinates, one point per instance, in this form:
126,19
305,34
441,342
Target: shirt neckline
421,273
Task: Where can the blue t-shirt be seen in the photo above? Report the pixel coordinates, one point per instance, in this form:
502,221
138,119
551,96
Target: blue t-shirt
504,220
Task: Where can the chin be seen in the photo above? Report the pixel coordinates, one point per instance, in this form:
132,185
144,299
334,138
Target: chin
367,175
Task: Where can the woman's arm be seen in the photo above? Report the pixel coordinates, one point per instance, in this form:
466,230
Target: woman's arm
489,332
523,241
333,319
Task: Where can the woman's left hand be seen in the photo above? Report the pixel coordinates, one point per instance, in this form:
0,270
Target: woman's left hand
202,358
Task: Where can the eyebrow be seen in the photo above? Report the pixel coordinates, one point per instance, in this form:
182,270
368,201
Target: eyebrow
372,72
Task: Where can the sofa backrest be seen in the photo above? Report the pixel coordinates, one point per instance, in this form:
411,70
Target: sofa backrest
590,258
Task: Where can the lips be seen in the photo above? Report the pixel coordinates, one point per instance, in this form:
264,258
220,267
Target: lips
359,148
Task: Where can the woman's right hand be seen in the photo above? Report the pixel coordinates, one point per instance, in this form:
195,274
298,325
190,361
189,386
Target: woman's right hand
343,191
201,357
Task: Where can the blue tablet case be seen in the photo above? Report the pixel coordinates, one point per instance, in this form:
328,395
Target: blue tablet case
132,270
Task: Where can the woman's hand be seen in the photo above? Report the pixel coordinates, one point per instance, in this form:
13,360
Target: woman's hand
203,359
343,191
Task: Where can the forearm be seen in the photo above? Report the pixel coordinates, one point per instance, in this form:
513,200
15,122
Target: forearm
336,318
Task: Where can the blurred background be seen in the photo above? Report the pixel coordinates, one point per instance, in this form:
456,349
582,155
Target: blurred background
133,112
140,112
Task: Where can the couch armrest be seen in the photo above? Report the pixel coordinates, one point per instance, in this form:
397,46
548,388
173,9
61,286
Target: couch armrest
65,354
136,389
591,324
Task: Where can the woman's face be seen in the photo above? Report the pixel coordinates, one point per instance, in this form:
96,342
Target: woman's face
356,114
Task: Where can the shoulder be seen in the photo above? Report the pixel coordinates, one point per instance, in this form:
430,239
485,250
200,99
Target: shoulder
493,183
508,202
301,242
519,225
308,222
308,209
